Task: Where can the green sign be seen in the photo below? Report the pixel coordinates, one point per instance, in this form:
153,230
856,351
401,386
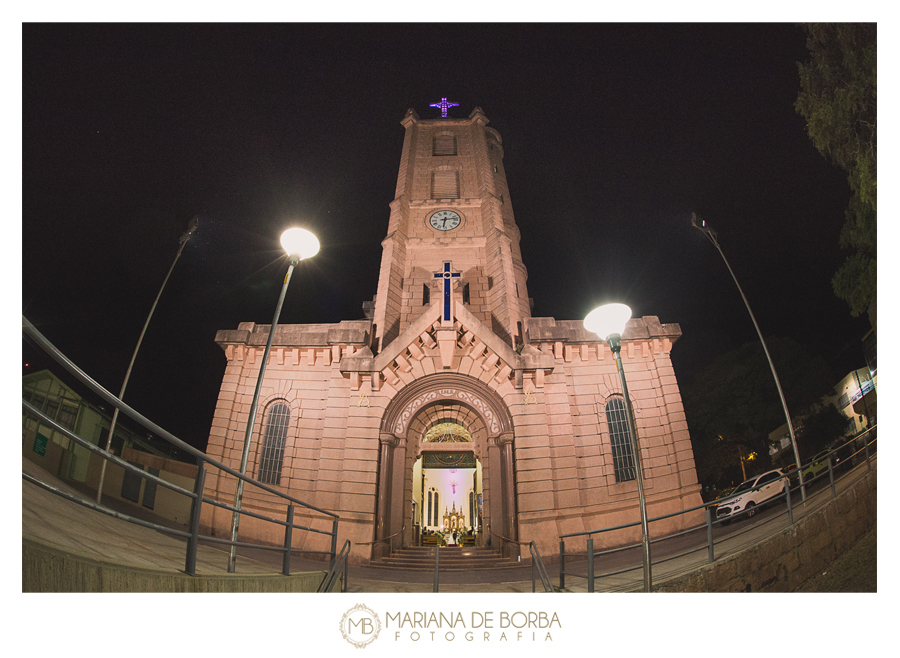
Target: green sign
448,460
40,444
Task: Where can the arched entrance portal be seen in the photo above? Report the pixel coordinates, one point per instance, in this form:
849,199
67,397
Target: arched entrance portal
445,422
447,484
447,496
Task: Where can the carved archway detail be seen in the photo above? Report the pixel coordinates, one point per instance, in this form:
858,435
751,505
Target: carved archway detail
446,386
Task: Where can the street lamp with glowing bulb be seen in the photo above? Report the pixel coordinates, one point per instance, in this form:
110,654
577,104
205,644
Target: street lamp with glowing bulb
299,244
608,322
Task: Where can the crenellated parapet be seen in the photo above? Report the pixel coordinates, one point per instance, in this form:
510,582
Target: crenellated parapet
296,344
568,340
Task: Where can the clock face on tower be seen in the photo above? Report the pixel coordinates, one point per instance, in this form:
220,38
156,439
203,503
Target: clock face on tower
445,220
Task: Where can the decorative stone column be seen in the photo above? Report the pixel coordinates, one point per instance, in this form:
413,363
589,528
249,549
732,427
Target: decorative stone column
495,486
397,502
509,493
385,484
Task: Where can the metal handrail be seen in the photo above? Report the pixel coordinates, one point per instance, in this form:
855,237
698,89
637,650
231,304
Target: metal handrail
84,502
591,554
330,579
373,542
197,498
79,374
506,539
538,563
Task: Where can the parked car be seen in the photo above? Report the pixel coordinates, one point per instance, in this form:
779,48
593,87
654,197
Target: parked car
713,504
751,495
818,465
843,452
793,474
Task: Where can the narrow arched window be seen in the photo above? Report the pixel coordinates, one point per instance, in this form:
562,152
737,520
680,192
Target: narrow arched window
620,440
272,454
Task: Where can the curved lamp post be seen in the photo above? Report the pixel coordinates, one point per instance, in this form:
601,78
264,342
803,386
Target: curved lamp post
183,240
299,244
699,224
609,322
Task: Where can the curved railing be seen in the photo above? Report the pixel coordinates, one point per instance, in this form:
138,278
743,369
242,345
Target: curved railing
192,535
862,455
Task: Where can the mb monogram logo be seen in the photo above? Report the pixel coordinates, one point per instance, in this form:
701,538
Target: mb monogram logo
360,626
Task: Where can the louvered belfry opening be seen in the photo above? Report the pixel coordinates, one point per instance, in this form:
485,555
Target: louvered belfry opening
445,185
444,145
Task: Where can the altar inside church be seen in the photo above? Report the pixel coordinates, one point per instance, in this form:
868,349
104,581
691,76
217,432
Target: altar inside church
447,501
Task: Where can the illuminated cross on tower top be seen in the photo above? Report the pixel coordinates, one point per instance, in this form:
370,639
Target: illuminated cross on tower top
444,105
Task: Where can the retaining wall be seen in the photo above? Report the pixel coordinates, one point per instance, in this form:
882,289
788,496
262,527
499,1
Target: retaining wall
785,562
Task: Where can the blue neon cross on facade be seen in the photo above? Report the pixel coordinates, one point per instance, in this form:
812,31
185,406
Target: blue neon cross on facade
444,105
448,277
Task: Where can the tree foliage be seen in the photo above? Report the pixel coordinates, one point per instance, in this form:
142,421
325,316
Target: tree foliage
733,404
838,99
821,427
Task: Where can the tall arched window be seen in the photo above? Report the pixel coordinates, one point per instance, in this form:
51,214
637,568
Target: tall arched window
620,439
272,454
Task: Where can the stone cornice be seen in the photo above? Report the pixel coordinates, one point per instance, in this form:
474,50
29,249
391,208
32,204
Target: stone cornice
250,334
568,340
293,344
544,330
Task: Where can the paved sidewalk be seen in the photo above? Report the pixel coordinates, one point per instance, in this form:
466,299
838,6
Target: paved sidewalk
54,522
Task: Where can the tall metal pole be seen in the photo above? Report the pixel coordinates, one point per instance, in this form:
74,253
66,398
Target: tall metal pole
192,226
248,433
698,223
615,345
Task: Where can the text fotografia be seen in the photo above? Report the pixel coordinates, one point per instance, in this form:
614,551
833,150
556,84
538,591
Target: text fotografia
479,626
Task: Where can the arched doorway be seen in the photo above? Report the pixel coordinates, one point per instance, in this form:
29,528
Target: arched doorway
447,481
411,423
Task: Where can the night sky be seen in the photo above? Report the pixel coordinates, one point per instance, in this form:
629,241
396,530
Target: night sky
613,135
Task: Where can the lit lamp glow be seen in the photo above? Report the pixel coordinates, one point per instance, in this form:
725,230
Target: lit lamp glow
608,322
299,244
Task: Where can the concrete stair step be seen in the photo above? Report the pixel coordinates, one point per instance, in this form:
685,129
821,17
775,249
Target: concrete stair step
421,558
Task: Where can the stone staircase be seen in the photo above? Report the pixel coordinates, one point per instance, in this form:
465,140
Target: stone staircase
453,558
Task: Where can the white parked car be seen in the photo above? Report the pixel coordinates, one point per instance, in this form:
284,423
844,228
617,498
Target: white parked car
749,496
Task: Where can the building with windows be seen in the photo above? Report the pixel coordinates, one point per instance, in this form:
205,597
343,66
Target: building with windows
854,396
450,403
52,449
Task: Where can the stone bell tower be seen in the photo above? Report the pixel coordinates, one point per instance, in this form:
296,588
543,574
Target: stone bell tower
348,411
451,205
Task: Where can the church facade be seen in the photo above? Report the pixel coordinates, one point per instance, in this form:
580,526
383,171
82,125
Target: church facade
450,407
